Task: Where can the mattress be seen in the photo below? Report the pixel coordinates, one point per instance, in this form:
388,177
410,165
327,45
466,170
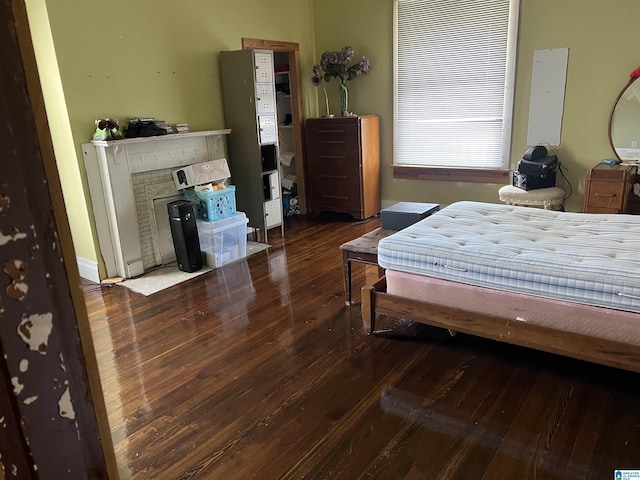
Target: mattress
591,259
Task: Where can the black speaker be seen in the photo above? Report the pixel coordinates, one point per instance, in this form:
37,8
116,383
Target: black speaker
186,243
532,182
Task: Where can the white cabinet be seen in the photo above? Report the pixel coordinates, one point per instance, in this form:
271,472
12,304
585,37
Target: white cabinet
251,112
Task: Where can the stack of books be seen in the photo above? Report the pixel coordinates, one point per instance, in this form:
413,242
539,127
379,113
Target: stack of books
163,124
180,127
169,128
141,119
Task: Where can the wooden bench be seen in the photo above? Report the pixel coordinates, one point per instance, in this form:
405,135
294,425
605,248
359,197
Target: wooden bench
364,250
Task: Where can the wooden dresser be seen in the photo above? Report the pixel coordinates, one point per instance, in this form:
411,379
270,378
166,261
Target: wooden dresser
343,164
609,189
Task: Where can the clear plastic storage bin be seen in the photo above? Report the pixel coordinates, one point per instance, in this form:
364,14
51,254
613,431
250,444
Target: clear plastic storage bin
223,241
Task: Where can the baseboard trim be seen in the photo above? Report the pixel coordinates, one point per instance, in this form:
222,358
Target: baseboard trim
88,269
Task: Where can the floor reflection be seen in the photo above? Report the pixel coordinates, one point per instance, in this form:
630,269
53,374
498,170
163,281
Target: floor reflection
234,288
481,430
279,275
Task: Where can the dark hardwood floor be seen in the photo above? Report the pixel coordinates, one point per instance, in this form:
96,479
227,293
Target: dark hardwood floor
258,370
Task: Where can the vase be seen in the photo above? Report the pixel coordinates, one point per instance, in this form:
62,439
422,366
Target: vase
344,100
326,103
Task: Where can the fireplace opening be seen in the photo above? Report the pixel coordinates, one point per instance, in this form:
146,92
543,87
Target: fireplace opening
153,191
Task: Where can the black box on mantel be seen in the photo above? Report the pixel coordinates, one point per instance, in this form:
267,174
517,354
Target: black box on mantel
403,214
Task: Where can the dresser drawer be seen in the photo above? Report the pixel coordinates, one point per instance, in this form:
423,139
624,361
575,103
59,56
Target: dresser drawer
335,176
605,194
319,158
335,187
345,202
330,137
614,173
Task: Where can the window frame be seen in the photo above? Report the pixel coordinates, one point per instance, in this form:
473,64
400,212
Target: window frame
464,173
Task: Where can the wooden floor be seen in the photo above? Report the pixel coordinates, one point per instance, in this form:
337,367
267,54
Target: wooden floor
258,370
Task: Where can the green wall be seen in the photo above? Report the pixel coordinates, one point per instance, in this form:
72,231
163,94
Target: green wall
159,58
601,37
71,177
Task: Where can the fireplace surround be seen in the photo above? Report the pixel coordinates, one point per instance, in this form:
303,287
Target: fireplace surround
130,183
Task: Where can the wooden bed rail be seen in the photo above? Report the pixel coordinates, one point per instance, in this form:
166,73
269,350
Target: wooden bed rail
376,301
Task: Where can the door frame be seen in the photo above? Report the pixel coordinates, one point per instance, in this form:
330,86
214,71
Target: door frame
293,49
66,360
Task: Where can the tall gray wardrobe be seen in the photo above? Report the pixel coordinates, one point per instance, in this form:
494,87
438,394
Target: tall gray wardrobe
249,93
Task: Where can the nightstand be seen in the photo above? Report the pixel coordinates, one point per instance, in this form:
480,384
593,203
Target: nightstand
608,188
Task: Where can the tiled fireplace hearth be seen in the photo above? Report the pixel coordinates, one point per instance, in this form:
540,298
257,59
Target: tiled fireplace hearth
130,184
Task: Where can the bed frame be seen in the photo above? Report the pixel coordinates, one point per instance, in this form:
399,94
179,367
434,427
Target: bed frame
376,301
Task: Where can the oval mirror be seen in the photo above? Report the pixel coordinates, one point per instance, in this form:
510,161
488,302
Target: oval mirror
624,122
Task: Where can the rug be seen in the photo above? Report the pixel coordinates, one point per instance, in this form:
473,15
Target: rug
166,276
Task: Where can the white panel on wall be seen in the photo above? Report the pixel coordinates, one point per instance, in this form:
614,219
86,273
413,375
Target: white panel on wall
546,104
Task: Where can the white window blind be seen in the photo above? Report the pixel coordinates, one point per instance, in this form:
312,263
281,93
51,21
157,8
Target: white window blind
454,82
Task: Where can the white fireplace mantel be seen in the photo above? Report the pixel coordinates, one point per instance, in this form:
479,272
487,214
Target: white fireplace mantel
110,167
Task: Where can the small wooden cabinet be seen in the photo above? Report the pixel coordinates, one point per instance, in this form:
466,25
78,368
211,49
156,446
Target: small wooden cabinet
609,189
343,157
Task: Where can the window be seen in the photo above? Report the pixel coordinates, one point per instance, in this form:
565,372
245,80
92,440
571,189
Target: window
453,88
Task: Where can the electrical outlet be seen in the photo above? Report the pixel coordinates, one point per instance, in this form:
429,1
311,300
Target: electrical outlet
634,144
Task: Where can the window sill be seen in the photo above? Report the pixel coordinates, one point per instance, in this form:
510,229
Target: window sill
450,174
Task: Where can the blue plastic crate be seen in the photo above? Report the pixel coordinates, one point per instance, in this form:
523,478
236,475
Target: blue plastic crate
210,206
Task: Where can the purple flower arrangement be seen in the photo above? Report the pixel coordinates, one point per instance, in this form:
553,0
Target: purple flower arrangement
336,65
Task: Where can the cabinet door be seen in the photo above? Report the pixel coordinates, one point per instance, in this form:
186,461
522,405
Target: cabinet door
273,213
274,185
265,99
267,128
264,67
271,184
